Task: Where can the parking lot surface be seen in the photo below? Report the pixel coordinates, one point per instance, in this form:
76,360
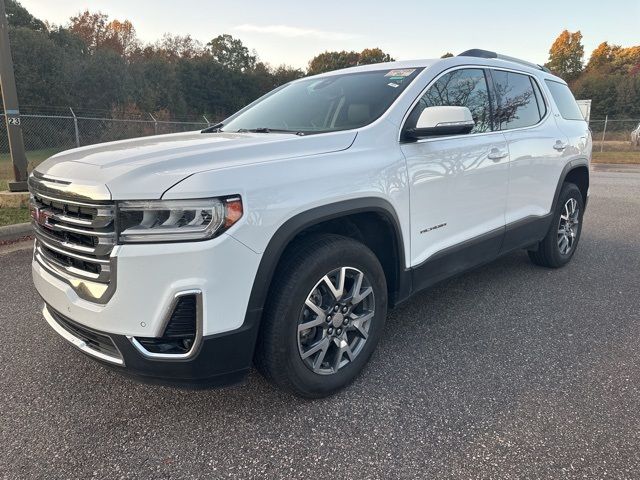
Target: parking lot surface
509,371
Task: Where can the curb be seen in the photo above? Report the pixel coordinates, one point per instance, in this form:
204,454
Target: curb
12,233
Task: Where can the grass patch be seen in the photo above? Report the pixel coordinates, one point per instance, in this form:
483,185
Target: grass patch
11,216
614,146
629,157
35,157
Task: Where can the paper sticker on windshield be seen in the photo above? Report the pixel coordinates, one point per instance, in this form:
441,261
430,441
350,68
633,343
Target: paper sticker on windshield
394,85
400,73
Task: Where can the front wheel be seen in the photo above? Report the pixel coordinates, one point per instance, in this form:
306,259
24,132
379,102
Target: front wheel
325,316
560,243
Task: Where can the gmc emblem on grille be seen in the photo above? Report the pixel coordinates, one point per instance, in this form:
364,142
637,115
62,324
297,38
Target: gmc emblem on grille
41,217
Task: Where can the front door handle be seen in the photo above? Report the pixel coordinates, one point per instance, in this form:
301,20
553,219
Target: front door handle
559,146
496,154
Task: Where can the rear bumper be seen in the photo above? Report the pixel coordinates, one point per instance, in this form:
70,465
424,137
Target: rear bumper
222,359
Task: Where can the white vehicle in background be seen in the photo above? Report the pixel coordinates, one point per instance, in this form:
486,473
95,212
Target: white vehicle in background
282,235
585,108
635,136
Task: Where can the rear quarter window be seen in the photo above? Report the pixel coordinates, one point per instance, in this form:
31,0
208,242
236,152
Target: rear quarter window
564,100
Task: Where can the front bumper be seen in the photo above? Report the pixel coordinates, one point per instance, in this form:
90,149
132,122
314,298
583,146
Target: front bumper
149,278
222,359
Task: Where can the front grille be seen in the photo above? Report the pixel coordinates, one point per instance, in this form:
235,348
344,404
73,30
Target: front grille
74,238
95,341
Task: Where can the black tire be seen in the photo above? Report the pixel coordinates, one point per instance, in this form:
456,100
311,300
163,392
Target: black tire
278,356
548,253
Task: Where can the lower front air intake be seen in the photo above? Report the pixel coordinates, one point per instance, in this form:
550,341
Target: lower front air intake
182,334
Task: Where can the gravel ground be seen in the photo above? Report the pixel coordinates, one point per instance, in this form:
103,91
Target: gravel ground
509,371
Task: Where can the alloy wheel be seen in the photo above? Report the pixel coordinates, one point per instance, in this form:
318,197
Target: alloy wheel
568,226
334,322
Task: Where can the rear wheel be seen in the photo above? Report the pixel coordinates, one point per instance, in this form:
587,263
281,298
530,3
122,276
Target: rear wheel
325,316
560,243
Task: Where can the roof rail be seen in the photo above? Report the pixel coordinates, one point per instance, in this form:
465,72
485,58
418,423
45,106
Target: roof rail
479,53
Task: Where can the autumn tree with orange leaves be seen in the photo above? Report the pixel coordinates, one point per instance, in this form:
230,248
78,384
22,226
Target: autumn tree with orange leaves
96,31
566,55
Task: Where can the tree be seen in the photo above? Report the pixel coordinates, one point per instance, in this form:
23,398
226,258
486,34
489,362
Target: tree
628,97
121,37
91,28
151,85
102,81
231,53
173,47
327,61
67,41
601,89
284,74
626,60
602,57
96,32
447,55
44,71
18,16
614,59
565,55
97,63
373,55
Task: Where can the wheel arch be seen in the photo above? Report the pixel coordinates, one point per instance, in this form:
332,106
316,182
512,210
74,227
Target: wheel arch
346,218
577,172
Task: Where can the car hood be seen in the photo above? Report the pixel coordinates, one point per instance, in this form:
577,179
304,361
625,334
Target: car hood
144,168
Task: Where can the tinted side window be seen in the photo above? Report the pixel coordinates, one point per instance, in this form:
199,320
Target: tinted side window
564,100
460,88
517,105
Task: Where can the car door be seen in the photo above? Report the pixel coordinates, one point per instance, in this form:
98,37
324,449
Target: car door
536,148
458,183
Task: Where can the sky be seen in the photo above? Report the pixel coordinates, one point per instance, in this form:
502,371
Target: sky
292,32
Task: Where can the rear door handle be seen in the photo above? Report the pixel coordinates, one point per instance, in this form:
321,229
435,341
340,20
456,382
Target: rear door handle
496,154
559,146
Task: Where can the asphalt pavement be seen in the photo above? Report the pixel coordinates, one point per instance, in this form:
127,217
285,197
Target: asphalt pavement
509,371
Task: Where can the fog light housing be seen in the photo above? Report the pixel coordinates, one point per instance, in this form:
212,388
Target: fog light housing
181,335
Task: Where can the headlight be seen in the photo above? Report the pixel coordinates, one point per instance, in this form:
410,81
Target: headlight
176,220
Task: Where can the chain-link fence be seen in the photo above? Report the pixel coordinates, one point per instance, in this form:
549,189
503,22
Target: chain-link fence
60,132
61,129
615,134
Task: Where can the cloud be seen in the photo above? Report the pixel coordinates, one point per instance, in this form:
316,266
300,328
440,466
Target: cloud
295,32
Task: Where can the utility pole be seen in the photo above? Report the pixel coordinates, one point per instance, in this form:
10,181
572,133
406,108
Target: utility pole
11,111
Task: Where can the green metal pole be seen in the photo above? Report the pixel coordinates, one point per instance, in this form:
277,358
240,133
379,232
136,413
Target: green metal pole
11,110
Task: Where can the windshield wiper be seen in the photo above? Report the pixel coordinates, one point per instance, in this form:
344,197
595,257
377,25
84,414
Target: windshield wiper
268,130
213,128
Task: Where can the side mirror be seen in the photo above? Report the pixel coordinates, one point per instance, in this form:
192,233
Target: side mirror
447,120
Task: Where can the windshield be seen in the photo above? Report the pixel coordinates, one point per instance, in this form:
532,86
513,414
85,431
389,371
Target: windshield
327,104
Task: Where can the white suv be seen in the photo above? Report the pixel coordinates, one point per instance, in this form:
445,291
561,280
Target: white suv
281,236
